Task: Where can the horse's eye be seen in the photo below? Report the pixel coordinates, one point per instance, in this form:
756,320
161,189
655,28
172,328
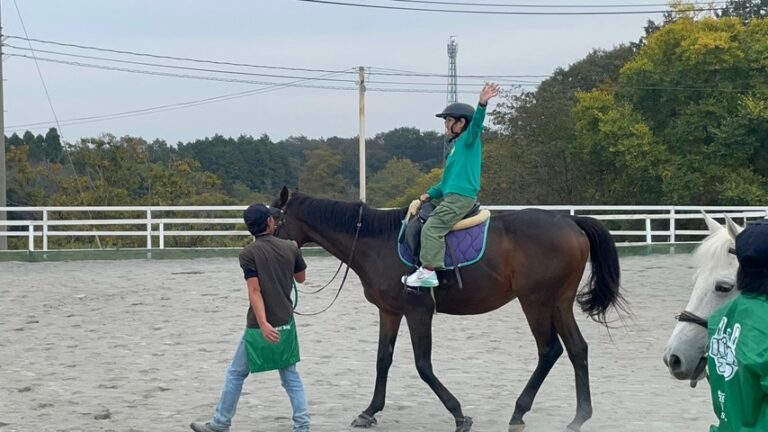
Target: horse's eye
724,286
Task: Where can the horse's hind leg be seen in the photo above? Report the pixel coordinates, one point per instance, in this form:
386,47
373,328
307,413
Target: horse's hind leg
420,327
577,352
540,319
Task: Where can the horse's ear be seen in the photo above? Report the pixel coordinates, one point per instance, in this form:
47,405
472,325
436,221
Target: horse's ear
712,224
733,228
284,195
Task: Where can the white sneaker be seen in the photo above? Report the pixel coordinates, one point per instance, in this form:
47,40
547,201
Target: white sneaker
421,278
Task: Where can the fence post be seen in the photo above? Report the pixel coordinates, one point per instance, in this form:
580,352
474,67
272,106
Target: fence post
162,235
149,229
573,211
648,237
31,237
45,230
672,225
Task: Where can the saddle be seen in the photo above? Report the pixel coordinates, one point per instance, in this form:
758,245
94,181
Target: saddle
418,214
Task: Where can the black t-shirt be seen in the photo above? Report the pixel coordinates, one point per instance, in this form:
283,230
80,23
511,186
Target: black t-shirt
273,261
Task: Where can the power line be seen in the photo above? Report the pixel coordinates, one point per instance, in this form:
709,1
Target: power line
401,72
489,12
233,80
167,107
384,71
167,57
55,117
174,66
165,66
39,72
549,6
328,87
174,75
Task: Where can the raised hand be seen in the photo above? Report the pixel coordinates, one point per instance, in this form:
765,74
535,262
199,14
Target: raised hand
489,90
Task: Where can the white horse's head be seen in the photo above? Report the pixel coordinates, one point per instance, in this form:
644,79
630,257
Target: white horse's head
713,286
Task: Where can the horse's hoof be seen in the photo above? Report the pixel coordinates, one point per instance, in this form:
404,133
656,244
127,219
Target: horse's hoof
364,421
519,427
572,428
464,425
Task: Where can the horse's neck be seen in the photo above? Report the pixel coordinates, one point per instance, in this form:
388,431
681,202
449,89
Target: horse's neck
338,245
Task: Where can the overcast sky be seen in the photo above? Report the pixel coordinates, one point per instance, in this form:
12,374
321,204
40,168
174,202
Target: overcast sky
278,33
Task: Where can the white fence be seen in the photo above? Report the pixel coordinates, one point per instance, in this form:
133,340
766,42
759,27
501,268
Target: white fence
658,224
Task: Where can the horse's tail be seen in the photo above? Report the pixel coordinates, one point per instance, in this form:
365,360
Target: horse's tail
602,290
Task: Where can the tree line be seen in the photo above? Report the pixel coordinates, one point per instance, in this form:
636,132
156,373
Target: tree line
677,117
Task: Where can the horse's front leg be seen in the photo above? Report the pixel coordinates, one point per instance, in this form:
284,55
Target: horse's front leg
389,324
420,326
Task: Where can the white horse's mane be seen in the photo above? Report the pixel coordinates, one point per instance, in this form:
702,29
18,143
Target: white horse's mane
713,252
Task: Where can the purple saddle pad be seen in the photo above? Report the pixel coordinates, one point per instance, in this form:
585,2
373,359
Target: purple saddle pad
468,246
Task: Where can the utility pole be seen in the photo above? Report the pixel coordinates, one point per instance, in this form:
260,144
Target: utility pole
361,72
3,200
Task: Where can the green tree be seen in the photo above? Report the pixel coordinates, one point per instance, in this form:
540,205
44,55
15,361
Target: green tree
699,87
746,10
529,160
423,148
391,181
692,104
27,183
617,153
52,147
13,141
36,152
419,187
257,163
321,175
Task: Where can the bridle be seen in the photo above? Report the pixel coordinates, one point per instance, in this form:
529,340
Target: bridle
281,223
691,317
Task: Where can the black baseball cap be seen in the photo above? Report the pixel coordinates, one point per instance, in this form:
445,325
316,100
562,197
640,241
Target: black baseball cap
256,215
752,253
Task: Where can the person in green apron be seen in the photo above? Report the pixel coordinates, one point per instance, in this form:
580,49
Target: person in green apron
458,187
738,341
269,265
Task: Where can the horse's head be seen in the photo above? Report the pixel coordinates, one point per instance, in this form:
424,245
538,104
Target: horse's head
288,227
713,286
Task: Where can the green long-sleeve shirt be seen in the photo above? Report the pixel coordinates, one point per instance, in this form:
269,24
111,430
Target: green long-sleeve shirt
738,364
464,164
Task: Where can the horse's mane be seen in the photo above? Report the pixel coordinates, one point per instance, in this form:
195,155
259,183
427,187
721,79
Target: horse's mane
713,251
341,216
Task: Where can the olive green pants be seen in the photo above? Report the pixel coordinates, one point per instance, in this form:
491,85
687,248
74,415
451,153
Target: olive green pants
451,210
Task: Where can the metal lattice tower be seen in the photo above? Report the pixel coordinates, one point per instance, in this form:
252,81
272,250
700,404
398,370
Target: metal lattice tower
453,91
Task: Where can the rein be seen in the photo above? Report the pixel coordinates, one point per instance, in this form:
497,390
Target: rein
691,317
281,223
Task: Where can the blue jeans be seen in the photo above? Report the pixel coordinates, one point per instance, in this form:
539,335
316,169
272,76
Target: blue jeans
233,385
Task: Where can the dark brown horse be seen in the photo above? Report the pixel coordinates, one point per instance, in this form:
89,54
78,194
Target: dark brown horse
533,255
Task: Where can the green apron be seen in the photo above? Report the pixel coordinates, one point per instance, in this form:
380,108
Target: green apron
265,356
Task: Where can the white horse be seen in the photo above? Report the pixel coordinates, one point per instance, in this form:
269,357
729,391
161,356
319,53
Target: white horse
713,286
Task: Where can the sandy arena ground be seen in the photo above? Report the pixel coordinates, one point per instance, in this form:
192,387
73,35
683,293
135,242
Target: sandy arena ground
142,345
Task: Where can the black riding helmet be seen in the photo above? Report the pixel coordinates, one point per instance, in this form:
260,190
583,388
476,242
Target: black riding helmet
458,110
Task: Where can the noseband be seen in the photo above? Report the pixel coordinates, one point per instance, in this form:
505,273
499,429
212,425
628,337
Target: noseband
691,317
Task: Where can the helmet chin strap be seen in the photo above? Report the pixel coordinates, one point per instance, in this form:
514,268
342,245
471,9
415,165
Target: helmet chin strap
453,135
